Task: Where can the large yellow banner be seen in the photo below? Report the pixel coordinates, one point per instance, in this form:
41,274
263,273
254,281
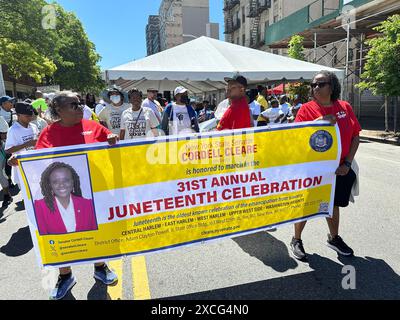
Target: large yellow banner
91,203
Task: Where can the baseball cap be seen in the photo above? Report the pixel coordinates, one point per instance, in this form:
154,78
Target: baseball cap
238,78
5,99
24,108
152,90
179,90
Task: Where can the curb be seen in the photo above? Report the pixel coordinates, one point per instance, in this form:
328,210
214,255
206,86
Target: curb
381,140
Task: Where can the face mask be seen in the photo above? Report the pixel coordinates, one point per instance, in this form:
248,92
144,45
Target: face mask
185,99
115,99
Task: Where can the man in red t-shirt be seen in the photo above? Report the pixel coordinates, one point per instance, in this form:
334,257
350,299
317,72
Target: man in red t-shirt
238,114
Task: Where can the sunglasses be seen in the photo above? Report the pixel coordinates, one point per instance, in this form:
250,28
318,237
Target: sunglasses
319,84
76,106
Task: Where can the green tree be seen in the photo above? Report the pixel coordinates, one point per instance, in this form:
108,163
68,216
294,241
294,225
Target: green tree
296,51
24,45
382,69
296,48
76,57
62,54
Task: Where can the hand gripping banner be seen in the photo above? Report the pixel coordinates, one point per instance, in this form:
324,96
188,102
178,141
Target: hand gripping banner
91,203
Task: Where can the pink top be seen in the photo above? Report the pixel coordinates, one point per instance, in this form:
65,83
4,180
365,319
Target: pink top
52,223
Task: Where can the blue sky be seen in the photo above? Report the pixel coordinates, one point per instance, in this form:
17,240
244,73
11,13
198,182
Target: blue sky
117,27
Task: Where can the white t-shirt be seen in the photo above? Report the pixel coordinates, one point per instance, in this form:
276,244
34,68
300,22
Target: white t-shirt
221,108
286,109
7,115
272,114
68,215
139,123
147,103
98,108
112,116
181,123
3,125
39,123
87,113
18,135
255,108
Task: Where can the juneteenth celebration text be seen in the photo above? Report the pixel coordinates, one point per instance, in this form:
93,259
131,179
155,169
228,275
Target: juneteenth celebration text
259,187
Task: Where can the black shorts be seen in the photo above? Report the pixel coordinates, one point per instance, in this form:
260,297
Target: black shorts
344,184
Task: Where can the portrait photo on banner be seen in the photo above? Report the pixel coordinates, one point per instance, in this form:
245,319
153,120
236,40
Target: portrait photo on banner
61,194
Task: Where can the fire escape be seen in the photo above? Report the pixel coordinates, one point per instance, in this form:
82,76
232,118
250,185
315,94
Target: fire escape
257,7
231,24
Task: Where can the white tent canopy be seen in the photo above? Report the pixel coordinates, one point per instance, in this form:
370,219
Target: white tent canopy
202,64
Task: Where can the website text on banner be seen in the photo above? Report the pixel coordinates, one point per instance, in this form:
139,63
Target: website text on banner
156,194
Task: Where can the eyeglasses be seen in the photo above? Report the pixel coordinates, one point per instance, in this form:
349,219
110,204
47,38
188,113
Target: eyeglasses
76,106
319,84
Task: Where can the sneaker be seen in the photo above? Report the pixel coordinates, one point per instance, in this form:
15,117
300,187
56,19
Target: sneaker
7,199
339,246
105,275
62,288
297,249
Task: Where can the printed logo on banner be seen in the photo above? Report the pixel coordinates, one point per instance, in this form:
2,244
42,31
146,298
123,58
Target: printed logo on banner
321,141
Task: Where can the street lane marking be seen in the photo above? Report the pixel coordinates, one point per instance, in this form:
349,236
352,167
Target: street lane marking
115,292
140,281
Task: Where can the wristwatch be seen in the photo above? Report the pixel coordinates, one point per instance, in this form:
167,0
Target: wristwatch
347,164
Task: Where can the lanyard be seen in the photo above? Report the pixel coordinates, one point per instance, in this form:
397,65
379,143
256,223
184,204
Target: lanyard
140,113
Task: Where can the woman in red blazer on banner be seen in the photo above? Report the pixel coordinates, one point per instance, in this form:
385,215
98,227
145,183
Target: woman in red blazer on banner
63,209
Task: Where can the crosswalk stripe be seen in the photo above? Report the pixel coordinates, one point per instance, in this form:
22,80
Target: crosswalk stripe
140,281
115,292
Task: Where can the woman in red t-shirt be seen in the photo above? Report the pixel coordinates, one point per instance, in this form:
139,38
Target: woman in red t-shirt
72,129
325,90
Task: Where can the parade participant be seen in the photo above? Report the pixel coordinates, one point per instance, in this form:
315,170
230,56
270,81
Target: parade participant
72,129
255,108
40,103
88,113
285,107
138,121
261,97
37,121
295,109
100,106
90,101
22,135
179,117
238,115
7,199
325,90
152,103
110,116
6,106
273,115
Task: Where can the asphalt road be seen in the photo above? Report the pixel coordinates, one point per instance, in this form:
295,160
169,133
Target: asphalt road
257,266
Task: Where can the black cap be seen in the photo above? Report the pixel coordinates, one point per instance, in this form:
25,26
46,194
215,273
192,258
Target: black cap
238,78
24,108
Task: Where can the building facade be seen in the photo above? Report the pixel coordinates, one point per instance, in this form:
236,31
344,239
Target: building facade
327,27
184,20
153,35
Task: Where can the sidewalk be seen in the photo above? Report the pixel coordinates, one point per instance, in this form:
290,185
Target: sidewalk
380,136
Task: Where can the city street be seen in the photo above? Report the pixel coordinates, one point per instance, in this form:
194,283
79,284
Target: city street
257,266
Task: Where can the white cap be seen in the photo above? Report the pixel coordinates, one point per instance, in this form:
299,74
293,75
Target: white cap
179,90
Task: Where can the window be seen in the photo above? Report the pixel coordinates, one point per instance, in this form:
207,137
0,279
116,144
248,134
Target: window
237,40
243,40
243,15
